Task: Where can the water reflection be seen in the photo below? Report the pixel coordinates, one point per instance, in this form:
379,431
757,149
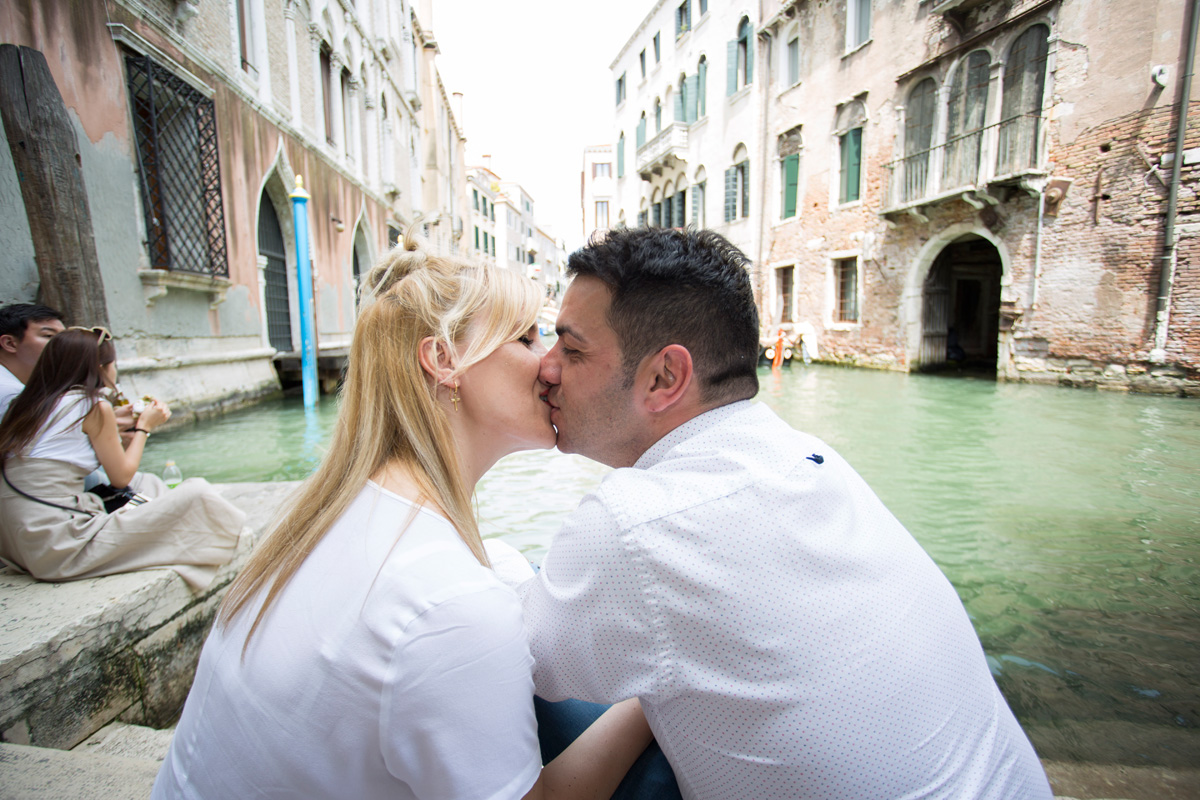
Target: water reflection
1067,521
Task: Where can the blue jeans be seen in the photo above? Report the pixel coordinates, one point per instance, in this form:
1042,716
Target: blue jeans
559,724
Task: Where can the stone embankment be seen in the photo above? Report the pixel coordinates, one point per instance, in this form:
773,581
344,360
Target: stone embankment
93,673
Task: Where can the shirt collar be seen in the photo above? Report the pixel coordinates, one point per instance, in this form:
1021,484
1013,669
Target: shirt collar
697,424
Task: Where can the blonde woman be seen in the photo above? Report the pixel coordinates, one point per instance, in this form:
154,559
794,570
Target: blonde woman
368,650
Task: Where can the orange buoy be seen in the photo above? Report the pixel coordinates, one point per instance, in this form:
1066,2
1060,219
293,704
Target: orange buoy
778,359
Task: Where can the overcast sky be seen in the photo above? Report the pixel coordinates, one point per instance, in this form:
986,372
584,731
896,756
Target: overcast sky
536,89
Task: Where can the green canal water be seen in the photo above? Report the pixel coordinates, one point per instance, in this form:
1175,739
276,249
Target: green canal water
1067,520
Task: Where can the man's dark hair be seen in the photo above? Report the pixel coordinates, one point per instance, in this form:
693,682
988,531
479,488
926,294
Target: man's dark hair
15,318
688,287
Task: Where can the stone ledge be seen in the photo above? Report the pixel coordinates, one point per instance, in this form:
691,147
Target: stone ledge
77,655
39,772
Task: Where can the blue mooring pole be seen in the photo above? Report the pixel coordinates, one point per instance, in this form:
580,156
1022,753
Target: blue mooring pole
308,349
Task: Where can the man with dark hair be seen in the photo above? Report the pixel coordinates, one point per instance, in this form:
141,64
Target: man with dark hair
785,633
24,330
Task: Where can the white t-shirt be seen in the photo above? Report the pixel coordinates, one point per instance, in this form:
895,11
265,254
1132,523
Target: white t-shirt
786,635
391,666
10,387
62,437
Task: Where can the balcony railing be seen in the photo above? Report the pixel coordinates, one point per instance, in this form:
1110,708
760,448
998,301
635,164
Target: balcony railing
965,162
668,145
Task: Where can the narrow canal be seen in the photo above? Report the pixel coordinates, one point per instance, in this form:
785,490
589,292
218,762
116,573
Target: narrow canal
1067,521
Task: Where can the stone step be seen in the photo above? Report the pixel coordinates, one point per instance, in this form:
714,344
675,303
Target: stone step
75,656
128,741
43,773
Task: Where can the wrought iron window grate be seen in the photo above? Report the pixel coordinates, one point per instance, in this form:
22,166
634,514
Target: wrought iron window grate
176,132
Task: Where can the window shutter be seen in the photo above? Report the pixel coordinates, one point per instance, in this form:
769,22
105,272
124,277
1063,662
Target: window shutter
691,87
621,156
791,175
656,216
702,80
851,164
679,107
731,67
744,169
680,198
697,202
641,132
749,58
731,194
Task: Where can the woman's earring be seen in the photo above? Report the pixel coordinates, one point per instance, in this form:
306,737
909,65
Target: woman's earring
454,396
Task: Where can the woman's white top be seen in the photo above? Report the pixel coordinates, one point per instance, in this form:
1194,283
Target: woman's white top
62,438
392,665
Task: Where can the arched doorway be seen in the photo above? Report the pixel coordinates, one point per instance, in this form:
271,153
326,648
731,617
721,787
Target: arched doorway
275,296
961,308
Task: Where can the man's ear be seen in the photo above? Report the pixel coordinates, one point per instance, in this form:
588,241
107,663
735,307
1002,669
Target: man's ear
664,378
435,360
9,343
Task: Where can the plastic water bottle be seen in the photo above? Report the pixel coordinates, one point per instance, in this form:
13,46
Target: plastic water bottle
172,477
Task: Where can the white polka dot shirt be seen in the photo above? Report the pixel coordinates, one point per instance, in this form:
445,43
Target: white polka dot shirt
786,635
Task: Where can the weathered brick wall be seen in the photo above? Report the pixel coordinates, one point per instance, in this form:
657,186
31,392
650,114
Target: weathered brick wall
277,56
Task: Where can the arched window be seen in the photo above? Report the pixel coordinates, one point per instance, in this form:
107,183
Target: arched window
655,210
668,205
741,58
964,127
737,185
698,189
641,130
657,115
919,114
621,155
681,100
702,87
681,202
1021,103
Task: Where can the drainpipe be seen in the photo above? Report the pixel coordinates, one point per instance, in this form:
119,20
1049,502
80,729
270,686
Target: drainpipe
1167,271
764,94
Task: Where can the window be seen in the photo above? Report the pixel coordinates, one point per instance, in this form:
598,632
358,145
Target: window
668,207
346,118
493,247
845,276
740,64
475,199
1021,101
851,118
621,155
701,87
737,186
657,115
175,128
793,61
641,130
966,114
642,60
858,23
683,18
657,49
783,292
680,203
602,169
703,7
326,58
698,204
621,89
642,219
476,237
918,137
245,20
601,213
656,215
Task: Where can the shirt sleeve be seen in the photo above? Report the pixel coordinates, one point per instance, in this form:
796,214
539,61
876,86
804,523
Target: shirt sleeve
456,718
590,614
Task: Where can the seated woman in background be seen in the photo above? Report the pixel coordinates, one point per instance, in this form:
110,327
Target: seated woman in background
367,650
56,432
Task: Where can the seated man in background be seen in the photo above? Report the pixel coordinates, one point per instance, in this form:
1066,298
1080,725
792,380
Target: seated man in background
24,330
786,635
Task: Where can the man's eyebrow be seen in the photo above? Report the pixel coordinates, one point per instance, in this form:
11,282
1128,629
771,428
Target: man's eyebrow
567,330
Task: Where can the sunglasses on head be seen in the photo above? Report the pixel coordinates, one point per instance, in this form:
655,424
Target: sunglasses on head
102,334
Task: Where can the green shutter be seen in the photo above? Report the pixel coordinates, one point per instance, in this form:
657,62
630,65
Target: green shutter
731,194
791,177
697,202
621,156
691,87
731,67
680,205
744,169
851,165
641,132
749,58
702,81
679,107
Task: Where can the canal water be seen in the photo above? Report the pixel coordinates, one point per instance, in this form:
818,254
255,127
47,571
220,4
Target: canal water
1067,520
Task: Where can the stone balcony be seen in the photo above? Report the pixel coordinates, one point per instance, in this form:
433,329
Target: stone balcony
663,151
